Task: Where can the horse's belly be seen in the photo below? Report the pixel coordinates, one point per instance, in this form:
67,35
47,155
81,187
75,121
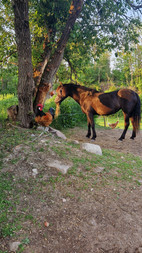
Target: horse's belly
103,110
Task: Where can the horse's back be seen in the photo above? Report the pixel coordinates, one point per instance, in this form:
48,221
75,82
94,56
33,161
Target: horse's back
127,94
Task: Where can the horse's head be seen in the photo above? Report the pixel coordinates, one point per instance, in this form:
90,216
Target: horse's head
62,93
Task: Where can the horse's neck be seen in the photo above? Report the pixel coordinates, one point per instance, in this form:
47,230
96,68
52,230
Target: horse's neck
77,95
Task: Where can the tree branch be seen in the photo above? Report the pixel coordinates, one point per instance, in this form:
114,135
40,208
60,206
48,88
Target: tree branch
135,7
54,63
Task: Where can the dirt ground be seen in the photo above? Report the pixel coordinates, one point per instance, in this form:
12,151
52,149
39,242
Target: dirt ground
87,221
108,139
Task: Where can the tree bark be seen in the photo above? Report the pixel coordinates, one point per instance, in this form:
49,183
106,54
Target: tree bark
38,71
54,63
25,68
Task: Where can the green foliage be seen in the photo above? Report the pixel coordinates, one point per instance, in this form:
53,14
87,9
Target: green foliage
102,25
87,71
5,102
8,79
70,113
8,51
106,24
47,20
128,68
7,41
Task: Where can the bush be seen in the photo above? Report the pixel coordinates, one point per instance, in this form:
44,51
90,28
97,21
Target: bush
70,113
5,102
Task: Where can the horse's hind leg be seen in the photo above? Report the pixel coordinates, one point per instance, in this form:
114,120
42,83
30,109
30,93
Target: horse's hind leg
127,123
134,129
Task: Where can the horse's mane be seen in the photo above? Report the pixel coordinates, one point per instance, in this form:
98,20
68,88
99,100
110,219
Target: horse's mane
72,85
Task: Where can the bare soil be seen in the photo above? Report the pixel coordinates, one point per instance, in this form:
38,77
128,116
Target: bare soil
78,220
108,139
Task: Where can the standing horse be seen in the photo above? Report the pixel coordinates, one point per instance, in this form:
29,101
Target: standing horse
93,102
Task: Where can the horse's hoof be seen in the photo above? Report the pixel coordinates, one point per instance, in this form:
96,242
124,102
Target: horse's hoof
88,136
93,139
132,138
120,139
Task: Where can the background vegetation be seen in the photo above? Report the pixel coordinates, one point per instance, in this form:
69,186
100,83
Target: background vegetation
104,51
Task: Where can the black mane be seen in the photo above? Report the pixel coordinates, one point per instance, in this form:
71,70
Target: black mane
72,85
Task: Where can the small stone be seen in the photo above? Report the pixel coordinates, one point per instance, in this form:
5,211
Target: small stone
18,148
75,142
57,133
61,135
43,141
63,168
46,224
14,246
140,250
35,172
92,148
64,200
92,222
99,169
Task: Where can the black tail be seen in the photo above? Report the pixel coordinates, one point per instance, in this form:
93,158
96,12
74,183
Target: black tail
137,113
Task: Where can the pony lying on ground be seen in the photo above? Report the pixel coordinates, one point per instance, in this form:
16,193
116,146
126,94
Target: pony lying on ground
93,103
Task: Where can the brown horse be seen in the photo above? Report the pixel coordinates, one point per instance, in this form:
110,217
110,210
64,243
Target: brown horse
93,102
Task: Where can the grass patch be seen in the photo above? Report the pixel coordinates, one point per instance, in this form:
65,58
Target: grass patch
119,171
7,206
5,102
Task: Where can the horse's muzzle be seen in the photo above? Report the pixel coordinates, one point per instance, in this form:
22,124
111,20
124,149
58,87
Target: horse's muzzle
58,99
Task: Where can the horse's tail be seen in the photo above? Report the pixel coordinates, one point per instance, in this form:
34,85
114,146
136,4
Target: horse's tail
136,114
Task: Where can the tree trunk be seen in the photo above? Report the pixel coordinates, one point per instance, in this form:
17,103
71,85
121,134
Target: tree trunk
54,63
25,68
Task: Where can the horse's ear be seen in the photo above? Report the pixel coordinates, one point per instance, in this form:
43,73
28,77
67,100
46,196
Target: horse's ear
61,84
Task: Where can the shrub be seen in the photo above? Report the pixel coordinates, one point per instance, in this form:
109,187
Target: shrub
5,102
70,113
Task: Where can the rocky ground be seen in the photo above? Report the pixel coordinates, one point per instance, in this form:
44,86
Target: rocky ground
69,213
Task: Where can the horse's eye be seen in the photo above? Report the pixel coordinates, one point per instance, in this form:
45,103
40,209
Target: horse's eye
61,92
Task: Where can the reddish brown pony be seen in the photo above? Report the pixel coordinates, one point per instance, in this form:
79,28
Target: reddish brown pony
93,102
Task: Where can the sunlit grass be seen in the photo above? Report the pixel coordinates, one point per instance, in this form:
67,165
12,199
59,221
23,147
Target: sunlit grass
112,119
6,97
5,102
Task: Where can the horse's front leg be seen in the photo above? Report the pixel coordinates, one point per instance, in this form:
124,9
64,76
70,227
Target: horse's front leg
91,123
94,132
89,130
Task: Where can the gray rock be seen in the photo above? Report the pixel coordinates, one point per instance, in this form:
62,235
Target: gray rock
92,148
57,133
75,142
34,172
99,169
140,250
59,166
93,222
13,246
61,135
